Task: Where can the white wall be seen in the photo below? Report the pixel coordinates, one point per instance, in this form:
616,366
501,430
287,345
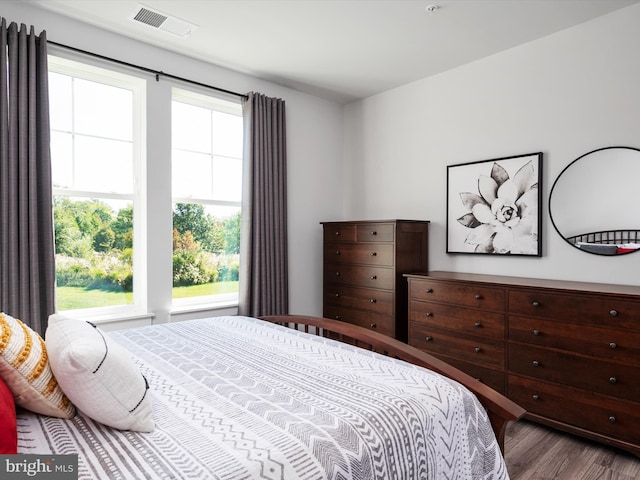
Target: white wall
314,140
565,95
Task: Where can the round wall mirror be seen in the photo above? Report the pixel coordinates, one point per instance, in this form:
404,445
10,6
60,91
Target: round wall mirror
593,204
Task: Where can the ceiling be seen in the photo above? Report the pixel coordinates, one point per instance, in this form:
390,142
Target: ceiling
341,50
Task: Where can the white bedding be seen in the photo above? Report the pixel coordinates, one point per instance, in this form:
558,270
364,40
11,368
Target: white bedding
239,398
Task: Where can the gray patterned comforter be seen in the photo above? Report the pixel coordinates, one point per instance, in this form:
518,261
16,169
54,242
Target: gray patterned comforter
237,398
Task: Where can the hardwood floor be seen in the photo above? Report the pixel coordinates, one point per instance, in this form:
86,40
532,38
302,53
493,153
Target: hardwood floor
536,452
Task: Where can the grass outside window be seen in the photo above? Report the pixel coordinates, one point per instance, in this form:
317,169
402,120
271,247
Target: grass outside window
72,298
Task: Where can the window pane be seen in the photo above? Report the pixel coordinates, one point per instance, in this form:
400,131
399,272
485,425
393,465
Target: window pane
227,179
191,174
103,165
60,104
227,134
191,127
103,110
94,252
62,159
206,250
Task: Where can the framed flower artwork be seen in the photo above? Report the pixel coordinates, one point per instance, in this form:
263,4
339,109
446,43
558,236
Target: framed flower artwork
494,206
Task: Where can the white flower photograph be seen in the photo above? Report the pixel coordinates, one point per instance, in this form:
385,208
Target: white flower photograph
493,206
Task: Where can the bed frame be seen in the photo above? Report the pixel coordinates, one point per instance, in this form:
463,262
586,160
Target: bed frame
605,237
500,409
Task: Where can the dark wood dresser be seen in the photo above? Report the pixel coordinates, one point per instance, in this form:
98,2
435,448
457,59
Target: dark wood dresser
364,263
567,352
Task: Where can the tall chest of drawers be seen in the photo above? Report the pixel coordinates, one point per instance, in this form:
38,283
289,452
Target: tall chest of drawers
571,350
364,263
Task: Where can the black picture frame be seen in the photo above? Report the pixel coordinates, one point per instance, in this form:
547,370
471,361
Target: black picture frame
494,207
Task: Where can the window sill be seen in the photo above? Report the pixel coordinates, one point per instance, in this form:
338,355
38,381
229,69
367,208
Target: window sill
115,321
202,307
120,320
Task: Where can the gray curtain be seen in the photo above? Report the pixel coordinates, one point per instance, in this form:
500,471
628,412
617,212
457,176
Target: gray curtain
27,268
264,284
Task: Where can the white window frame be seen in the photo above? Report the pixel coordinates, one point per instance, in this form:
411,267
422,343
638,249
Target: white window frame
89,70
212,102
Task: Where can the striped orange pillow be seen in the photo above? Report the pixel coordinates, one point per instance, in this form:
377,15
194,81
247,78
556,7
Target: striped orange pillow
24,367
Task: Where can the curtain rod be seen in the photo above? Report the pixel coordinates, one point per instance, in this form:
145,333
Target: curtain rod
157,73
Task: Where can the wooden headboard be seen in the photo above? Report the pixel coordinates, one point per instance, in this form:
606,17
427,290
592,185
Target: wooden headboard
608,237
607,242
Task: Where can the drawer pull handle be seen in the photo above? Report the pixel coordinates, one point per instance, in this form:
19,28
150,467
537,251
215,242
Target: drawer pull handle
374,233
337,274
536,363
373,325
337,295
337,234
477,325
613,380
428,314
373,277
612,419
613,313
373,254
613,345
535,304
429,290
429,339
337,317
373,300
477,349
337,252
535,397
536,333
477,296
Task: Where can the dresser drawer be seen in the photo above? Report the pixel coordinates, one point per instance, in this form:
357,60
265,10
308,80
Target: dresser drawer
375,232
360,276
493,378
467,295
482,352
602,415
589,373
369,254
339,232
380,323
462,320
577,308
607,343
378,301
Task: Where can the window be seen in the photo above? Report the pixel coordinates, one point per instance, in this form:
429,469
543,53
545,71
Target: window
103,205
96,153
207,139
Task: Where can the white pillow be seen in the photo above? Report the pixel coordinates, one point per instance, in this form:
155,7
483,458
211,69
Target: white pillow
98,375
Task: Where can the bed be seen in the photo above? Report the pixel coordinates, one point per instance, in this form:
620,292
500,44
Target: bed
608,242
286,397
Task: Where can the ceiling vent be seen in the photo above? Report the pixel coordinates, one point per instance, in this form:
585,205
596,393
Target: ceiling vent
162,21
